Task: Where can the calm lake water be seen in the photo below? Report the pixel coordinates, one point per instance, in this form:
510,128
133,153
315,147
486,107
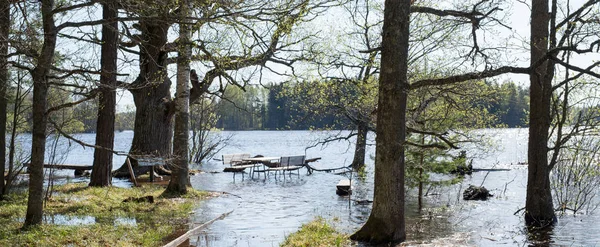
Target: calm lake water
266,210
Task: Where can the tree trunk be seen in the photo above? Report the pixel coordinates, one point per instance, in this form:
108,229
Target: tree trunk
180,174
4,82
386,222
40,97
153,128
105,127
361,146
538,206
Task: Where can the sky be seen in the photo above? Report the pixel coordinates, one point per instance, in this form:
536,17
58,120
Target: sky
329,24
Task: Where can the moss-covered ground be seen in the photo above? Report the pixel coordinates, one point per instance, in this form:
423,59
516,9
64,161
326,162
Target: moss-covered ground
317,233
107,220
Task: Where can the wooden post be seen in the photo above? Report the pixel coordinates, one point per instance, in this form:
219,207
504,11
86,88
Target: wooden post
131,174
152,175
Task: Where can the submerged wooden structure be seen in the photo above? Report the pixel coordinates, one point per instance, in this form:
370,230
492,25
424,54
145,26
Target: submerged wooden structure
344,187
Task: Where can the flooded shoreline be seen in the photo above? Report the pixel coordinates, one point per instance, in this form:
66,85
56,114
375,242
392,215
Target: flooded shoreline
267,210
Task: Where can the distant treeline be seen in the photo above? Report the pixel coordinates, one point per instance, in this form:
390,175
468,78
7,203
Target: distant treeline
275,108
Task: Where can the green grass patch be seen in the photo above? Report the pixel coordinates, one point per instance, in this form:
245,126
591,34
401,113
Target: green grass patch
108,221
317,233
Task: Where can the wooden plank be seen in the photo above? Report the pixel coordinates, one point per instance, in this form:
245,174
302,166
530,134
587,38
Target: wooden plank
344,184
150,162
70,167
131,174
194,231
67,167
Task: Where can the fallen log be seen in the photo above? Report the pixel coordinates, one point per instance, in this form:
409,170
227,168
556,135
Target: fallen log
490,170
194,231
66,167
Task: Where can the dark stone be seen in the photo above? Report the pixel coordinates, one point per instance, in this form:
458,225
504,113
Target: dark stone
476,193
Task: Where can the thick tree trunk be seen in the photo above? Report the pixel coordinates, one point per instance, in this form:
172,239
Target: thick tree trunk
105,127
153,128
4,82
40,97
386,222
180,175
361,146
538,206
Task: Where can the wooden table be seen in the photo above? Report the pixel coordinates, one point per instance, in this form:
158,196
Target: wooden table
261,160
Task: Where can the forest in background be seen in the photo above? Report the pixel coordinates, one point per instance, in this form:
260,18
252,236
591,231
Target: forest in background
273,107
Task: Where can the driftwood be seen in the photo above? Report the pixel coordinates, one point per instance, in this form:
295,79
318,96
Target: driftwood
311,169
490,170
312,160
194,231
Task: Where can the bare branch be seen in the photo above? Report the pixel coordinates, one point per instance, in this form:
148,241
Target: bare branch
468,76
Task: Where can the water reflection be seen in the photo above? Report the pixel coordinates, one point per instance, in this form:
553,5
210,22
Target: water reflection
72,220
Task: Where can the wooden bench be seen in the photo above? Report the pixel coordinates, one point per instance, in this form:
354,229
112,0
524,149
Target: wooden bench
289,163
152,162
234,159
236,163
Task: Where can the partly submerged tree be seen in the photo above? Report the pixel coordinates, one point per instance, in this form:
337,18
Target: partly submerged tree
556,38
386,222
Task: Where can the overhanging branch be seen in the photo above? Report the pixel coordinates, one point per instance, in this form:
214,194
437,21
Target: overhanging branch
468,76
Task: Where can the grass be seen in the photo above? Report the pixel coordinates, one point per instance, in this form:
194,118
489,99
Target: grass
150,224
317,233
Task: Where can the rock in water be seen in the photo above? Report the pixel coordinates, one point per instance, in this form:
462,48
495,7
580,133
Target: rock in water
476,193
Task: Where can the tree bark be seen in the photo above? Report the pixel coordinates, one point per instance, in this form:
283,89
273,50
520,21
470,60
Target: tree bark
386,222
538,206
153,126
361,146
40,117
105,127
180,169
4,82
151,93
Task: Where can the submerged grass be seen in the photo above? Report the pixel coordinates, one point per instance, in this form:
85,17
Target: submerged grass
150,224
317,233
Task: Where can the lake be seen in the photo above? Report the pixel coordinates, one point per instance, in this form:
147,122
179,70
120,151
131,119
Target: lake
266,210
